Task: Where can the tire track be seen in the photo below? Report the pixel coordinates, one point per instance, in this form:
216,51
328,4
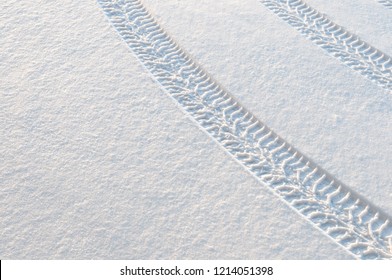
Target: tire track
386,3
362,229
335,40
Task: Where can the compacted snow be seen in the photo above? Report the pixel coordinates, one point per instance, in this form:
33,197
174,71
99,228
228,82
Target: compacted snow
97,161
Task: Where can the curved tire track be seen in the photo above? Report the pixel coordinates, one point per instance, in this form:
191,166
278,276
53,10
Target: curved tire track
345,217
386,3
335,40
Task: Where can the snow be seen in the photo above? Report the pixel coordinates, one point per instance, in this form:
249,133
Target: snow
370,20
330,113
98,162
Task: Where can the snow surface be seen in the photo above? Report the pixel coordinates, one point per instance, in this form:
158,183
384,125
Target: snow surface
97,162
368,19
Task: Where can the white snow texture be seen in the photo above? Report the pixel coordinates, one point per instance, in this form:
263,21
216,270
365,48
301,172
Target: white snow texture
98,162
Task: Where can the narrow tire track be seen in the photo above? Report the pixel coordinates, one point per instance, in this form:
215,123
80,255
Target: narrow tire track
335,40
386,3
344,216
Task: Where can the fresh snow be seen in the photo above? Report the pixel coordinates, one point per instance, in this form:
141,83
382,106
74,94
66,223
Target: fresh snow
98,162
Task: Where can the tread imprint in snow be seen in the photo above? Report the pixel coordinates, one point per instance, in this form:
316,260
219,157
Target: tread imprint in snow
335,40
351,221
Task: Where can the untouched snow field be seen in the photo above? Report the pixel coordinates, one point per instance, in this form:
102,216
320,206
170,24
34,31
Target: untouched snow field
97,161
